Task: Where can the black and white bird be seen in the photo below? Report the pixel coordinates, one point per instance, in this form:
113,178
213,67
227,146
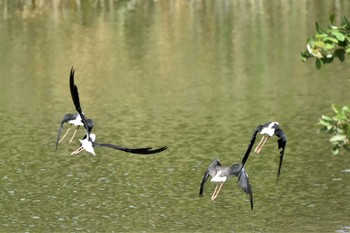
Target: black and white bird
88,142
267,130
72,119
221,174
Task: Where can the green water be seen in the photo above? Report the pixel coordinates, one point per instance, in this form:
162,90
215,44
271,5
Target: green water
197,76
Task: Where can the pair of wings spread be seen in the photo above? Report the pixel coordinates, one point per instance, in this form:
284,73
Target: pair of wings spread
88,125
282,142
238,170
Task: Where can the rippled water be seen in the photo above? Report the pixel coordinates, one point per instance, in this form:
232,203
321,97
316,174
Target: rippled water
197,76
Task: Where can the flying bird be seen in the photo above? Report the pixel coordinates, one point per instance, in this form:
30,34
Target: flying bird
72,119
88,142
267,130
221,174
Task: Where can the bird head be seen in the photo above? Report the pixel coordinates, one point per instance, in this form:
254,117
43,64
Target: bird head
235,169
93,137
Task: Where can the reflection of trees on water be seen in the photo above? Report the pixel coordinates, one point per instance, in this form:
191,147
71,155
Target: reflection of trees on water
31,8
239,28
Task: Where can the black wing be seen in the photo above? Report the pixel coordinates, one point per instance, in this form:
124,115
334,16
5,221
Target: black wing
282,142
65,119
146,150
245,185
210,171
251,144
205,178
76,101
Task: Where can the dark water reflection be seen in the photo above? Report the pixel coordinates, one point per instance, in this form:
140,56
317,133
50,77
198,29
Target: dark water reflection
197,76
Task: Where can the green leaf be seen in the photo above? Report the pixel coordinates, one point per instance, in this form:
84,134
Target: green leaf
325,123
335,108
337,138
305,55
318,63
320,44
339,131
339,117
345,109
329,46
320,35
328,59
347,50
327,118
328,38
340,53
335,150
340,36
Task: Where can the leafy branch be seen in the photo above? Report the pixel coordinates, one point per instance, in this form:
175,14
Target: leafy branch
339,126
324,46
328,44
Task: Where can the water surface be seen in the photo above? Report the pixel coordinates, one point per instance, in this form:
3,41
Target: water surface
197,76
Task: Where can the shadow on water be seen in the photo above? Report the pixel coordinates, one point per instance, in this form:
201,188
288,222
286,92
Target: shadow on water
197,76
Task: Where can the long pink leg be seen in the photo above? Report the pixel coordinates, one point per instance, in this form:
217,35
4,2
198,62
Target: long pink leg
261,143
64,135
77,151
262,139
217,193
216,187
75,131
81,150
260,148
